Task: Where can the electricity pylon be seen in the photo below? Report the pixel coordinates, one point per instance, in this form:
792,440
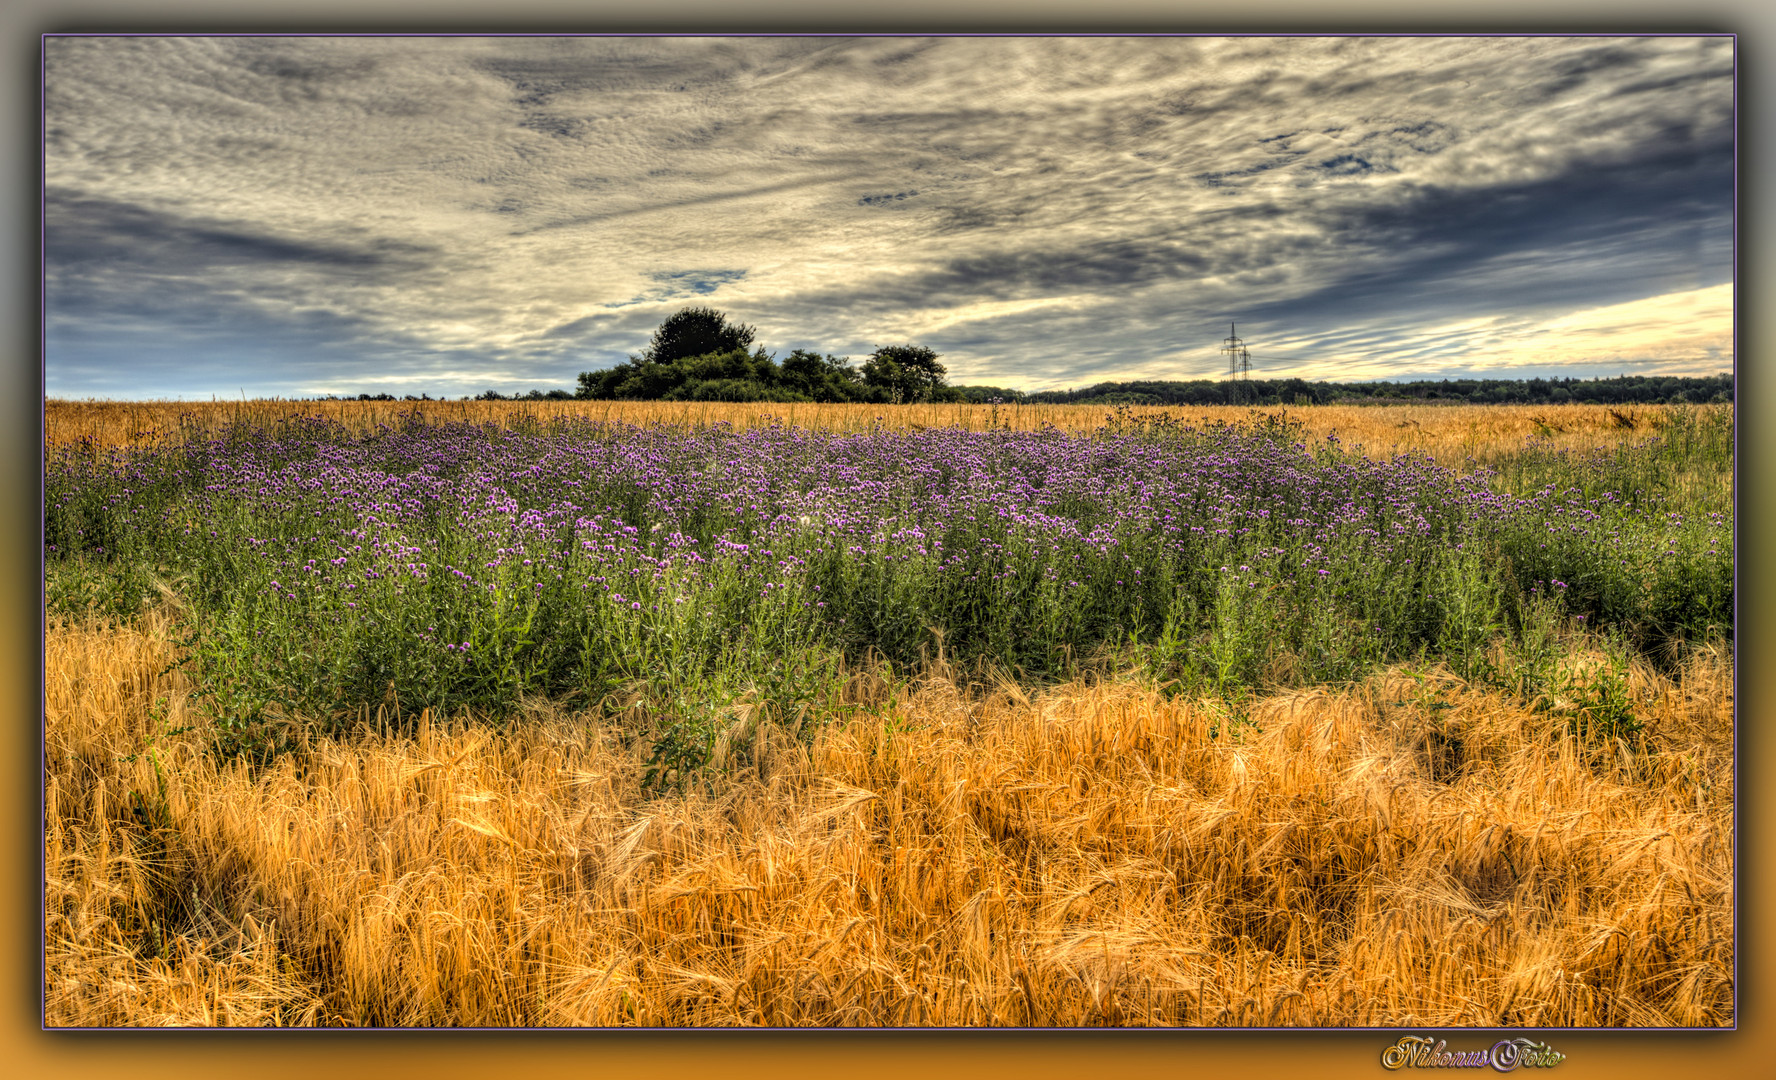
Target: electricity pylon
1239,360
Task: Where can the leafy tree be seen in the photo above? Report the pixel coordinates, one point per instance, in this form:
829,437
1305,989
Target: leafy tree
905,372
696,331
822,378
601,385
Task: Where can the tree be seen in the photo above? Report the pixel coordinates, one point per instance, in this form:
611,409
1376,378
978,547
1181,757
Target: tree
904,372
696,331
821,378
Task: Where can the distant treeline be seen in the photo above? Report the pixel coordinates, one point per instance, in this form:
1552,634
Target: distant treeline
698,355
1625,389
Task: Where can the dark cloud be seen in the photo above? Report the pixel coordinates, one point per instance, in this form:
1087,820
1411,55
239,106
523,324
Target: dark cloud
272,58
1571,73
1105,265
1684,80
97,232
539,81
1632,225
885,200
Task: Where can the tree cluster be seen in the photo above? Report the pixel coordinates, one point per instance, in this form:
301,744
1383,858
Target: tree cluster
380,397
697,355
534,395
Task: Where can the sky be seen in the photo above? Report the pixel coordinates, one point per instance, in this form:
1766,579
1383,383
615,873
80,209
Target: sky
305,216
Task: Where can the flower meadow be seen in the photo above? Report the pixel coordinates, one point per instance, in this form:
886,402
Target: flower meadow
455,566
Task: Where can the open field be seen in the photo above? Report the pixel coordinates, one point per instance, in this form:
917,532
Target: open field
1409,850
1448,433
959,716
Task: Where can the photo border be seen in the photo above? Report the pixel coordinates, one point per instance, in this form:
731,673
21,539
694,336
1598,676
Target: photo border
777,1055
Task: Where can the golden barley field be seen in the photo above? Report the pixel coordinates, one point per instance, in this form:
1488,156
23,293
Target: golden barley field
1449,433
1404,851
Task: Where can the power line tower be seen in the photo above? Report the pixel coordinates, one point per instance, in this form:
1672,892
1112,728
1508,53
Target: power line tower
1239,361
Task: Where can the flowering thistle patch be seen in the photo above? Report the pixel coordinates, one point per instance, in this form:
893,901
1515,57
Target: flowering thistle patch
465,564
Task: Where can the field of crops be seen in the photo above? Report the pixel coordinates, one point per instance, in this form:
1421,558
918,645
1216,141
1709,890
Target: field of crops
501,713
1447,432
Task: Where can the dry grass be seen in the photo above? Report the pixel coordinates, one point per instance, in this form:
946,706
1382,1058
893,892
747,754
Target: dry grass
1448,433
1406,852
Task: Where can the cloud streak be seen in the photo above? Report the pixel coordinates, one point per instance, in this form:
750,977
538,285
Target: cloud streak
313,215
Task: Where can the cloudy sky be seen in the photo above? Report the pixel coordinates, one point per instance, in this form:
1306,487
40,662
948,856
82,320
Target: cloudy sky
307,216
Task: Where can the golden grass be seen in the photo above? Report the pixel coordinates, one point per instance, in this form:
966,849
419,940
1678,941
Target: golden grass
1410,851
1448,433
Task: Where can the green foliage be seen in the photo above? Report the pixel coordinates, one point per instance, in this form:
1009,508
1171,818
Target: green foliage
534,395
732,390
1472,602
988,395
89,588
1536,644
697,356
904,373
823,378
1235,649
696,331
1593,694
715,719
1662,570
1631,549
735,375
731,376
